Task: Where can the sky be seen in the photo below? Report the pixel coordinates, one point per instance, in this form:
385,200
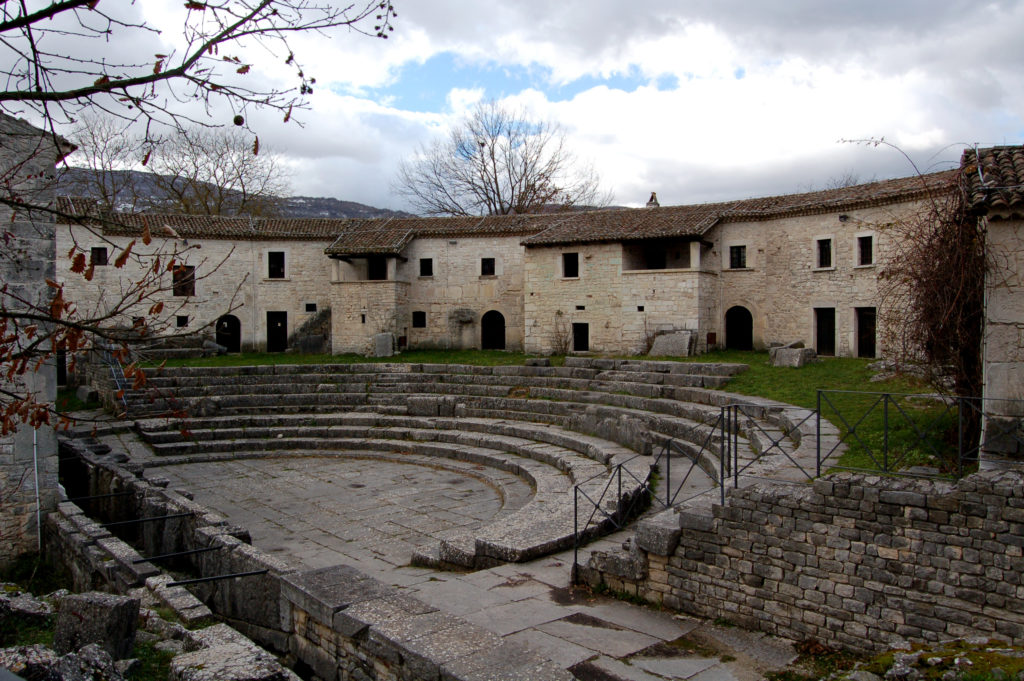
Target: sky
704,100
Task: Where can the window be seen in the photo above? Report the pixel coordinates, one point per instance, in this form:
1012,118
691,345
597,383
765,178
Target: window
824,253
419,319
571,265
581,307
184,280
275,264
426,267
376,268
737,257
866,250
181,321
310,307
639,308
98,256
486,267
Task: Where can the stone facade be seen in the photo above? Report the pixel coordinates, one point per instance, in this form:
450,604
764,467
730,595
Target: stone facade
854,561
232,278
28,461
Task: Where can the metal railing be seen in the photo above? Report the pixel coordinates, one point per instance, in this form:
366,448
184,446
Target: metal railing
915,434
116,373
599,509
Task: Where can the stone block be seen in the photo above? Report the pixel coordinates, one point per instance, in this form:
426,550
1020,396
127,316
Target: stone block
100,618
383,345
659,534
675,344
538,362
792,357
228,662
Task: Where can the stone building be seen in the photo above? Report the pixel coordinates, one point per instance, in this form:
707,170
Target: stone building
28,460
738,274
995,193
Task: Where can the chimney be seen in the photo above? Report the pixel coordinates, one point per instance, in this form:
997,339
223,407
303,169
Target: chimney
653,201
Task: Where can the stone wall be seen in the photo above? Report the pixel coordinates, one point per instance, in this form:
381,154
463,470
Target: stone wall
28,467
853,561
782,283
1004,342
336,621
622,308
231,278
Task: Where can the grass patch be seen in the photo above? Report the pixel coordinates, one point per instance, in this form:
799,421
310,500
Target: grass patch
474,357
67,401
921,430
154,665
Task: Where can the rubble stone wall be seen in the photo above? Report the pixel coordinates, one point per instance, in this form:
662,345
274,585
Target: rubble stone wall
28,467
854,561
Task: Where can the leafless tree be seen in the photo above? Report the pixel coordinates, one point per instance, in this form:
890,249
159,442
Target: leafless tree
498,162
202,171
195,171
68,59
73,57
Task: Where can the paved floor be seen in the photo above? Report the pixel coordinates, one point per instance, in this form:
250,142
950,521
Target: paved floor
317,521
370,513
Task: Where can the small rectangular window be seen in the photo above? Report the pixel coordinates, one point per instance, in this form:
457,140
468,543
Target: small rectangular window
571,265
865,250
487,267
98,256
310,307
581,307
639,308
376,268
426,267
181,321
419,319
184,280
737,257
824,253
275,265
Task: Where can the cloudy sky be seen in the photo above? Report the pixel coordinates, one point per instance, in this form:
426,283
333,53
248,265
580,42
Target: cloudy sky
702,100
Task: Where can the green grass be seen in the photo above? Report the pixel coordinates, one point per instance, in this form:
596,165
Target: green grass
67,401
475,357
908,418
793,386
154,665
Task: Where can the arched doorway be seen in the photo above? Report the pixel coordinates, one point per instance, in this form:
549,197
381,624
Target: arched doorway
229,333
492,331
739,328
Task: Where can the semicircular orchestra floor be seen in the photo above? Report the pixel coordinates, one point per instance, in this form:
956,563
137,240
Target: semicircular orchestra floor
370,511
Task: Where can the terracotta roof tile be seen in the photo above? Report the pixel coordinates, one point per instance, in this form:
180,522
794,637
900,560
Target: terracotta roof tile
388,236
994,180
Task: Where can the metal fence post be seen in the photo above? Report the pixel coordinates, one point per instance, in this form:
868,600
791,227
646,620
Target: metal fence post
817,456
722,445
885,433
960,436
576,531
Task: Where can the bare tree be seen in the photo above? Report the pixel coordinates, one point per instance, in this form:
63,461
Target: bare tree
68,59
217,172
498,162
109,151
74,57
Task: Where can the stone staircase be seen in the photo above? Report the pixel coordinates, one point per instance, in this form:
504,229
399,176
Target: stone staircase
556,427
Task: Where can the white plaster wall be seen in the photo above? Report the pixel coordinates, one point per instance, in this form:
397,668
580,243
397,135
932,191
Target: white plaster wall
231,276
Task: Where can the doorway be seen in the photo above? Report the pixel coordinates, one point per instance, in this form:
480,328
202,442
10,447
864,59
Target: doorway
825,330
492,331
580,337
229,333
865,319
277,331
739,328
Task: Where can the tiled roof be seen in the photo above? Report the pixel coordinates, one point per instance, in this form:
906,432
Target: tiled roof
388,236
696,220
357,236
994,180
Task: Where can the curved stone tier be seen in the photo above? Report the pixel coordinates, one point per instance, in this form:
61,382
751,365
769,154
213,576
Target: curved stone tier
556,427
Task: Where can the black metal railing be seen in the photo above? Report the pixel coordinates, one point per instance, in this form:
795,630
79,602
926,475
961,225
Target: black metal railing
915,434
117,374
